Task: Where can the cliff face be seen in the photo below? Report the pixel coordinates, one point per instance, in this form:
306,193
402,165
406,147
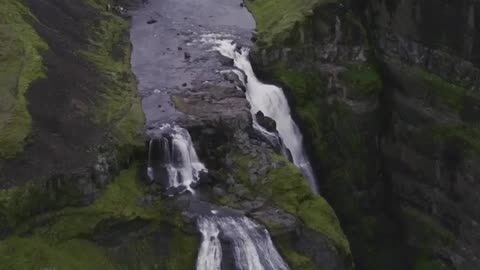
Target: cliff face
387,94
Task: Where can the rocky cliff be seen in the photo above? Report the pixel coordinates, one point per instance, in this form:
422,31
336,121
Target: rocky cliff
386,91
73,158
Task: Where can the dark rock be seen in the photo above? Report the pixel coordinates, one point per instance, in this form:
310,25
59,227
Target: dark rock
187,55
184,84
151,21
180,48
175,190
266,122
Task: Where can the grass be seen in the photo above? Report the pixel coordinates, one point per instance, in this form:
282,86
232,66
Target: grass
109,51
59,240
182,250
363,79
294,259
20,65
287,188
277,18
33,253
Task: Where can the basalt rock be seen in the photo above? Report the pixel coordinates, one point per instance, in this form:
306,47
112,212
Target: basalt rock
266,122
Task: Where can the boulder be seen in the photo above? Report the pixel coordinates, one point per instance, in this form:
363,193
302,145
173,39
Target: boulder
266,122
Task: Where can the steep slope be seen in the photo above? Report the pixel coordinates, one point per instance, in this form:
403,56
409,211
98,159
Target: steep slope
388,104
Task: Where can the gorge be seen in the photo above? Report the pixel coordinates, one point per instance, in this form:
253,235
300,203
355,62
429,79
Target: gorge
230,135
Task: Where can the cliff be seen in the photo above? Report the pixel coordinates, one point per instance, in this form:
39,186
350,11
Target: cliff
387,94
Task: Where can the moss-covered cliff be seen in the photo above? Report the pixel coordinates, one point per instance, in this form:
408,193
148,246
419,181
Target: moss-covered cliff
67,90
386,103
70,116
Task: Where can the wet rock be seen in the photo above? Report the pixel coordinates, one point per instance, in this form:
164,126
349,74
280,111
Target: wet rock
266,122
280,219
179,48
175,190
151,21
218,191
187,55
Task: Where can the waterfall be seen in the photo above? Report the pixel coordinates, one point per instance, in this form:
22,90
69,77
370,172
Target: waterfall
271,101
210,253
179,157
252,246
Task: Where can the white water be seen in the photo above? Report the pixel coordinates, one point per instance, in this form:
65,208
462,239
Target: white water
271,100
210,253
253,249
180,159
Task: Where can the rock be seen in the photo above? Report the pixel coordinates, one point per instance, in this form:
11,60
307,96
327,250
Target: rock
266,122
179,48
219,192
187,55
175,190
278,218
151,21
205,178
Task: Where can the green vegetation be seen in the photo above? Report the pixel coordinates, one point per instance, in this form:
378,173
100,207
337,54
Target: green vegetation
288,189
429,264
34,253
182,250
109,51
441,91
60,239
428,234
277,18
294,259
180,104
20,65
362,80
422,225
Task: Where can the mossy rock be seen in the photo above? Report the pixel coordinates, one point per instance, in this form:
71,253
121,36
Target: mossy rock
276,18
362,80
20,65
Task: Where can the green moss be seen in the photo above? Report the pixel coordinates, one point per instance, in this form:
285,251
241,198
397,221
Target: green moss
441,91
362,79
19,204
276,18
288,188
180,104
182,250
467,137
424,226
429,264
20,65
54,238
109,51
34,253
122,197
294,259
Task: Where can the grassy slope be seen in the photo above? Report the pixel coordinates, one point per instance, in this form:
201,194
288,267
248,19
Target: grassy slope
20,65
63,239
287,188
276,18
120,106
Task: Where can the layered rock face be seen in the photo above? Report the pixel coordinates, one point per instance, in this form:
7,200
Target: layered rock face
387,93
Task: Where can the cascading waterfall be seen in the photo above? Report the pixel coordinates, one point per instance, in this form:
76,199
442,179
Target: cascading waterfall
271,101
179,157
252,246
